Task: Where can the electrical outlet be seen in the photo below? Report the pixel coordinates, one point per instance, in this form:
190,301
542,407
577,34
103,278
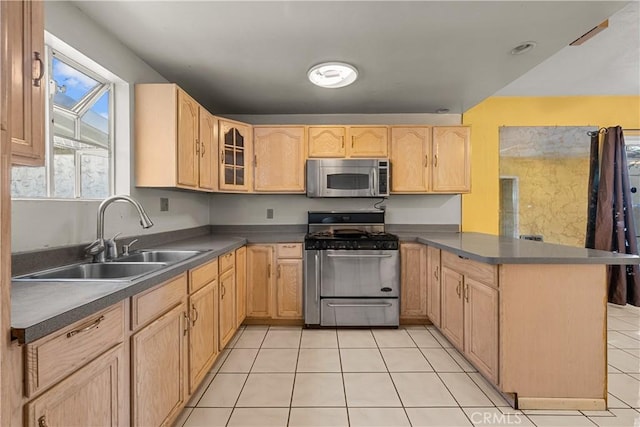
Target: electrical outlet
269,213
164,204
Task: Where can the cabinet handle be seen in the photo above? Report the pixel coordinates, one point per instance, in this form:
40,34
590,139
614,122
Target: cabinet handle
202,149
224,291
278,274
42,421
458,288
436,273
435,161
186,323
196,315
466,292
426,160
197,147
289,246
222,157
353,139
86,328
342,138
269,271
37,80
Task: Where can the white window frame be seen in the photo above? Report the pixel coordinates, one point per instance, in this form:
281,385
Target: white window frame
83,105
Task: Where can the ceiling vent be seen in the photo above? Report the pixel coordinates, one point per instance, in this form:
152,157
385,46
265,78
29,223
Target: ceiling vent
590,34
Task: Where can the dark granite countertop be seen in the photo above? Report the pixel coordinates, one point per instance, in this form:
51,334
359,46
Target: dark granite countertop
40,308
492,249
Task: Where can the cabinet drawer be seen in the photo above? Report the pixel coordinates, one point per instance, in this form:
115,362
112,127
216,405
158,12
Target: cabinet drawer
200,276
485,273
55,356
289,250
227,262
152,303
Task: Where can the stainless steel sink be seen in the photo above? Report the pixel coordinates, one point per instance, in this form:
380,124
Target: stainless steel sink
95,271
167,256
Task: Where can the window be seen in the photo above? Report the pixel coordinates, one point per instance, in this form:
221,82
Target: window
79,148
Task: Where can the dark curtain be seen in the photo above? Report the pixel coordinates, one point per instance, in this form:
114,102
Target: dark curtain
614,229
594,177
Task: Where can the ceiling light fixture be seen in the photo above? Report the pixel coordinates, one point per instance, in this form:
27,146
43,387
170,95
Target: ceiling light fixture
332,75
523,48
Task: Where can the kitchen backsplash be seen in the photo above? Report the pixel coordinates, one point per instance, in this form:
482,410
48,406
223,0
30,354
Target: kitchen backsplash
237,209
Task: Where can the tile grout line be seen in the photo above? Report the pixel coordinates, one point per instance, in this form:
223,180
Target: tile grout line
344,383
295,373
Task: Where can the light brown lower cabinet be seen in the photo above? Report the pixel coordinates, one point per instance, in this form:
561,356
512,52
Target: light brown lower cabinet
469,316
413,281
274,293
452,320
158,369
289,289
93,396
203,333
259,281
433,285
241,285
226,305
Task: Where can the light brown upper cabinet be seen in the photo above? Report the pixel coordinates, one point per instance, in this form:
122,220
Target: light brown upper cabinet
451,159
327,141
430,160
279,155
349,141
368,141
235,155
410,154
175,139
23,35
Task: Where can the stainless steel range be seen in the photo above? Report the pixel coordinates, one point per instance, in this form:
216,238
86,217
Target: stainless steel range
352,270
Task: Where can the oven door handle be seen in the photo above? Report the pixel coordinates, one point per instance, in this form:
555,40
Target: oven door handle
359,256
360,305
317,256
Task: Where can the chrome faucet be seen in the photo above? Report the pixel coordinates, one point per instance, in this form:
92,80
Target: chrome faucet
98,247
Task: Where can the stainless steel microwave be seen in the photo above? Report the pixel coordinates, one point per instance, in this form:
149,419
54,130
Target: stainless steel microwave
347,177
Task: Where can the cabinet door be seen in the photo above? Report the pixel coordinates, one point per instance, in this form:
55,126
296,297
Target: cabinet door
241,285
369,141
188,145
259,281
481,327
26,56
279,159
289,289
235,154
452,307
413,280
451,167
203,348
92,396
158,369
227,303
325,141
410,159
208,168
433,285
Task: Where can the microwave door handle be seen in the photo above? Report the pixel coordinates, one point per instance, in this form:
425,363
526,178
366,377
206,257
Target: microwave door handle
374,187
317,256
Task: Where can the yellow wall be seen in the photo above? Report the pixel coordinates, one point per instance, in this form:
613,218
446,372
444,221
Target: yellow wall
480,208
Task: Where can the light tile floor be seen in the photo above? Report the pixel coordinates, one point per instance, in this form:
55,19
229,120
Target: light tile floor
279,376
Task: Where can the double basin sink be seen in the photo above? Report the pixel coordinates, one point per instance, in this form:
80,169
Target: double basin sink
124,268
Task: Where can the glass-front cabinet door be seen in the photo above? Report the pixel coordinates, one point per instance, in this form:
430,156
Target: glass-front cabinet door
235,156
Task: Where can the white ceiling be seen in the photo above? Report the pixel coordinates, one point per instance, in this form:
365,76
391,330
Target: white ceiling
239,57
608,64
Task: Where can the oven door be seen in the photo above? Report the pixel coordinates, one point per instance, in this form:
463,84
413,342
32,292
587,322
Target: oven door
359,273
